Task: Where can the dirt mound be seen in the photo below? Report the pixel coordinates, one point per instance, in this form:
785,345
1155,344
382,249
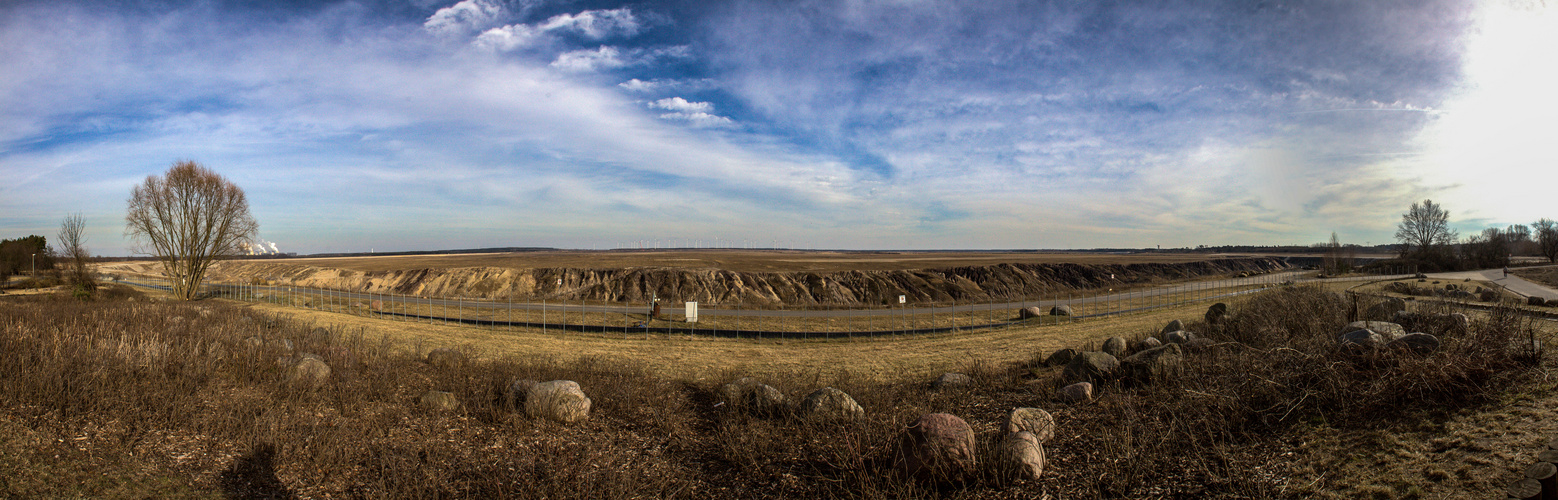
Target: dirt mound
719,286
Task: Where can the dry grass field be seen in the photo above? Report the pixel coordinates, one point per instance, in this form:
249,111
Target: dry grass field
130,396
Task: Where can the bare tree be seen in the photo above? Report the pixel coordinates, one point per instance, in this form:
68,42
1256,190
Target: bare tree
1337,259
1487,249
73,248
188,219
1547,238
1425,230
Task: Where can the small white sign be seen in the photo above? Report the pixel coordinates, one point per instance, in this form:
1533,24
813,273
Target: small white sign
903,299
692,312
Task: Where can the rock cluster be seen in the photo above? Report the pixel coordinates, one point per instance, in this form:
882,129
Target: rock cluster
750,396
1368,336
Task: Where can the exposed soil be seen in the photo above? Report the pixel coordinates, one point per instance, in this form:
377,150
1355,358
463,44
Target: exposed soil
715,278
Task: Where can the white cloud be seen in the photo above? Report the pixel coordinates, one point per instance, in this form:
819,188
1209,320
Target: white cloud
608,57
466,17
507,38
596,24
636,85
699,119
679,104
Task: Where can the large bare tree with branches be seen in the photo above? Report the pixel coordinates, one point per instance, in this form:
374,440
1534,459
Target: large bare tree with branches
1547,238
73,248
1425,230
188,219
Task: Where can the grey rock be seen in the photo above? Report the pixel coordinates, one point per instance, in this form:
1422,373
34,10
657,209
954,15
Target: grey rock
1385,309
518,390
1364,339
1387,330
753,397
829,404
308,370
1148,343
1154,365
952,381
1080,392
1022,456
1216,313
1034,420
1061,357
445,357
1172,326
1178,337
560,400
1115,346
1060,310
1030,312
939,447
440,401
1091,367
1420,343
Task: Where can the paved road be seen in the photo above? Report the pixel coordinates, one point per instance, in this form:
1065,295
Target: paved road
1513,283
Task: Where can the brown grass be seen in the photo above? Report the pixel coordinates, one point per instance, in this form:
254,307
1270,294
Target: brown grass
169,398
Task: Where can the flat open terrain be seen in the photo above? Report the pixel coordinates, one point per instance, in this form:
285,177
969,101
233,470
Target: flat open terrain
742,260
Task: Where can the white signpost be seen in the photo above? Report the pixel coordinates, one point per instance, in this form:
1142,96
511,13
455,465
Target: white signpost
692,312
903,299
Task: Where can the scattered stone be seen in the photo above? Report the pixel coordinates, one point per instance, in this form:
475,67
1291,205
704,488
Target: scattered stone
1030,312
1115,346
1091,367
1148,343
1178,337
560,400
1421,343
1080,392
952,381
1153,365
1172,326
831,404
1034,420
749,395
1060,310
517,391
440,401
938,447
1389,331
1216,313
1385,309
1022,456
1365,339
445,357
1536,300
308,370
1061,357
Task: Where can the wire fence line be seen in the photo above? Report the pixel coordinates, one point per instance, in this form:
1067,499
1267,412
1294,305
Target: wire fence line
733,320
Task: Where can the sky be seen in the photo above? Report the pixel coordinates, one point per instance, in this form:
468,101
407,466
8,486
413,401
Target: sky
391,125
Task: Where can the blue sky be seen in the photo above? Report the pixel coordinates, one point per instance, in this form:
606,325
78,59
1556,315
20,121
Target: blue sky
422,124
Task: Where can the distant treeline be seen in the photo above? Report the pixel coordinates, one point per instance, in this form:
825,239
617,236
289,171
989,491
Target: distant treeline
17,256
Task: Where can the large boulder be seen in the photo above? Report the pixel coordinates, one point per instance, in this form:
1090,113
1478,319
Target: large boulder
750,396
1022,456
440,401
1216,313
1148,343
1421,344
560,400
1060,310
829,404
1030,312
1034,420
952,381
1178,337
1154,365
1080,392
1361,340
1172,326
445,357
1384,310
1390,331
1115,346
308,370
1091,367
514,396
1061,357
939,447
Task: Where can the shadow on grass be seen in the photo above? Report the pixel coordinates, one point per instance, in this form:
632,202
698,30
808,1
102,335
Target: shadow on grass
254,476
